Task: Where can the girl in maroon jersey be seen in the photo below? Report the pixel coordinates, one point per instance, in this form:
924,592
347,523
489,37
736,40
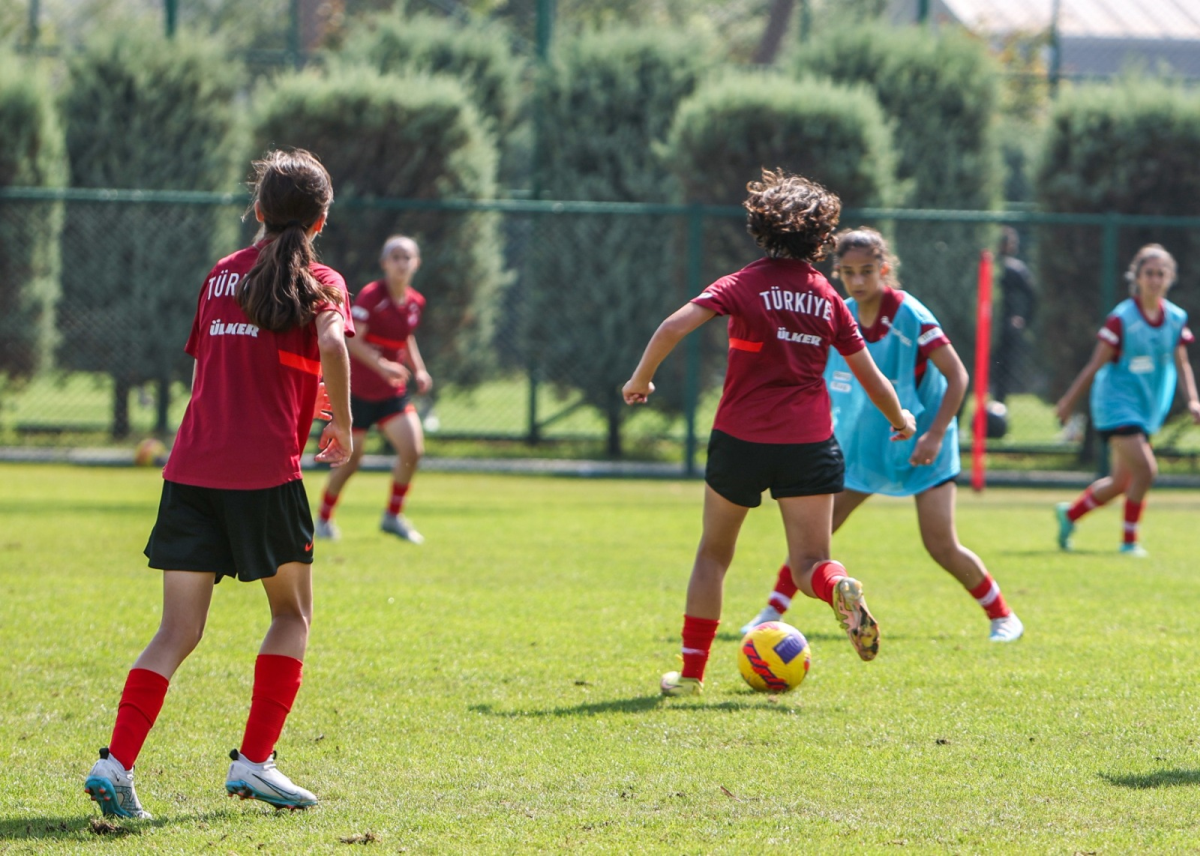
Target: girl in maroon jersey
773,427
270,322
385,356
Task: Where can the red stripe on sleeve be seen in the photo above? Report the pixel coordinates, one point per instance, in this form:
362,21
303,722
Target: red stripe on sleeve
387,343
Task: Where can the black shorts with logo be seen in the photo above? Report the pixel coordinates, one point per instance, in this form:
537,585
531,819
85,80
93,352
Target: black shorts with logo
740,470
246,534
364,413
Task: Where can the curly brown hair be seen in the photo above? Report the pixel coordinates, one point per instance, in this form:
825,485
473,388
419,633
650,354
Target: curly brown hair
790,216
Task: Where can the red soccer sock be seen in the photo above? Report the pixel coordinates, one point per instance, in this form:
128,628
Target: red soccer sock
328,501
825,577
1133,514
141,700
396,503
1085,503
785,590
276,682
987,594
698,635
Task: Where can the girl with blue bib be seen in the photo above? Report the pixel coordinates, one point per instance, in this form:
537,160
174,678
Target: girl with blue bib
1140,356
910,348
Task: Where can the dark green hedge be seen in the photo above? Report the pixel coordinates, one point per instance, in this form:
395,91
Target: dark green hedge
411,137
597,286
1129,148
31,155
144,112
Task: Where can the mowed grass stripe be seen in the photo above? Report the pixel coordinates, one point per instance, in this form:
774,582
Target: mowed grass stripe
495,690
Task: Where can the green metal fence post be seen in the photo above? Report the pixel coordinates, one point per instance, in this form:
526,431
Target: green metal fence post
172,10
805,20
35,16
923,11
1055,48
691,382
1109,238
545,27
294,46
545,35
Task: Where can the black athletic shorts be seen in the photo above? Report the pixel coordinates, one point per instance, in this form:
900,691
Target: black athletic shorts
1121,431
740,470
246,534
366,413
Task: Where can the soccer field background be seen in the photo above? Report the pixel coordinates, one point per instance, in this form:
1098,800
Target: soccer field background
496,689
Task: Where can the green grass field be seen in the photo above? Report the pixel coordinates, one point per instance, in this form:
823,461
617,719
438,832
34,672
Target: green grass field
495,690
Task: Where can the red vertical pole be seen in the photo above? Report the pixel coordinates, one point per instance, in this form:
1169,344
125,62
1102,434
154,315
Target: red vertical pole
983,351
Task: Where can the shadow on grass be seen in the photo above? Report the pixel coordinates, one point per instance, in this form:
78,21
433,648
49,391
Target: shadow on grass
34,828
637,704
1054,551
1157,779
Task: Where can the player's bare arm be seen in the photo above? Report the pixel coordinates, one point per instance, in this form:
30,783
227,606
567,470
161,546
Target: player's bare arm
669,333
417,364
369,356
879,390
1187,381
929,444
336,443
1103,354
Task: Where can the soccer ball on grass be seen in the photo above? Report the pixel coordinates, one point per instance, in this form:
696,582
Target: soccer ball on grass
774,657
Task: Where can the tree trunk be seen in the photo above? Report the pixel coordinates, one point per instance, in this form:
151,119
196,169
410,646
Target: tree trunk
120,414
615,414
164,406
773,33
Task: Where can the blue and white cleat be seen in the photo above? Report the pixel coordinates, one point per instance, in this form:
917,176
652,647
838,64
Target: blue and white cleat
397,525
326,530
110,786
264,782
1066,528
1135,549
1006,629
769,613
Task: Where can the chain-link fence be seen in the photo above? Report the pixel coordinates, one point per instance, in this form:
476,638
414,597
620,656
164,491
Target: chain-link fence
100,289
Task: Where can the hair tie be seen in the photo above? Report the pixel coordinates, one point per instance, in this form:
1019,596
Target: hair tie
290,223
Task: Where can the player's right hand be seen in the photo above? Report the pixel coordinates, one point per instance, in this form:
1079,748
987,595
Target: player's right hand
906,430
1062,410
393,372
636,393
336,444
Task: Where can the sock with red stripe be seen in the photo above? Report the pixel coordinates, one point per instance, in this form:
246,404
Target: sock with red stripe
824,577
396,503
328,501
785,590
276,682
1085,503
987,594
698,635
1133,514
141,700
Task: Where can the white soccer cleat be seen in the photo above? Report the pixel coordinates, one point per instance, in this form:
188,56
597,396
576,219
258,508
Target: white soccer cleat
110,786
674,684
1135,549
264,782
397,525
326,530
1006,629
769,613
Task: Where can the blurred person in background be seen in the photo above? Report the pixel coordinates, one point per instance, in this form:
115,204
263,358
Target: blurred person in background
1018,304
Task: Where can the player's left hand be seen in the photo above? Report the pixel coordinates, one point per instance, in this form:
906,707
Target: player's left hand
336,444
927,449
424,381
323,407
636,393
907,429
1194,409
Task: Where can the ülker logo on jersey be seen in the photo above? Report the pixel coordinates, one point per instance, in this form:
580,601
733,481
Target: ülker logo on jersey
216,328
803,338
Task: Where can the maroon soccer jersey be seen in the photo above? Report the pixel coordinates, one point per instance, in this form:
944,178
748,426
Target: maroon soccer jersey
389,324
252,403
783,317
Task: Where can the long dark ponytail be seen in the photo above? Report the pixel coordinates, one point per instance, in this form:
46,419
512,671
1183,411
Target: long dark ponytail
293,191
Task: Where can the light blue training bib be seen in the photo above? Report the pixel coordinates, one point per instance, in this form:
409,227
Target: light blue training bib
874,463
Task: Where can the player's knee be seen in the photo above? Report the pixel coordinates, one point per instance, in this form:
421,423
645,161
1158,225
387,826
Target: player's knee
941,549
182,637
